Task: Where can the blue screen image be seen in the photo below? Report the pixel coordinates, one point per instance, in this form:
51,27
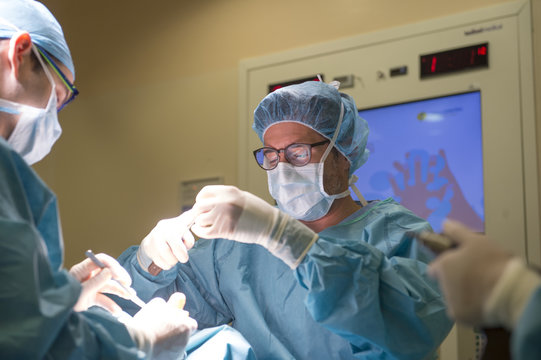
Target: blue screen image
428,156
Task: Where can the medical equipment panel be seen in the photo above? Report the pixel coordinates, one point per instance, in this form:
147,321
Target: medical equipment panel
462,88
386,70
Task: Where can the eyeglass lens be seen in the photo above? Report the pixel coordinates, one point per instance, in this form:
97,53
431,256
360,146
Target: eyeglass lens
296,154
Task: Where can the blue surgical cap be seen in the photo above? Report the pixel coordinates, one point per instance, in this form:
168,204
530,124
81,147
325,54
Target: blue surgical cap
37,20
317,106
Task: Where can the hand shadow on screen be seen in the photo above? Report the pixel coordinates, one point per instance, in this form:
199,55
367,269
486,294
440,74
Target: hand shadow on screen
426,185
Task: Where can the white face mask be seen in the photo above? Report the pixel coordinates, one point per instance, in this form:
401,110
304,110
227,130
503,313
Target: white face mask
299,191
37,129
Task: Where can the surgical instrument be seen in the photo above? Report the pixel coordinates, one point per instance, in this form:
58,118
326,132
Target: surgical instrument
129,290
437,243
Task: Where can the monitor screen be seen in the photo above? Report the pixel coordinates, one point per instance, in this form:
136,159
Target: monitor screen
428,156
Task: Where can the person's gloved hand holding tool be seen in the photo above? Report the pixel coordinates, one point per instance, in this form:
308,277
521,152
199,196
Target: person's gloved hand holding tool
482,283
161,329
229,213
167,244
96,281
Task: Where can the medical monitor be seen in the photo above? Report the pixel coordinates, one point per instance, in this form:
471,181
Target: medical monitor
428,156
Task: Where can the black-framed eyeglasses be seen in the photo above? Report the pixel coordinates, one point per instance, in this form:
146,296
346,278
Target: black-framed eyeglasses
71,88
296,154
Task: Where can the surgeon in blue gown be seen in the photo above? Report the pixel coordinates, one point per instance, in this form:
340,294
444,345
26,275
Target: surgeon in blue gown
485,285
44,309
320,276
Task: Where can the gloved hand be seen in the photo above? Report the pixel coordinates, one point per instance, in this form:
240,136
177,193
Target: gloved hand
168,243
161,329
96,281
229,213
469,273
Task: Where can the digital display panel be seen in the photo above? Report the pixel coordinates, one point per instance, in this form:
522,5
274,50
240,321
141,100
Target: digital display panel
444,62
273,87
428,156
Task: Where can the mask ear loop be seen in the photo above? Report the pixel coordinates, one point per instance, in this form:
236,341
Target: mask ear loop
53,97
328,150
352,180
45,68
333,140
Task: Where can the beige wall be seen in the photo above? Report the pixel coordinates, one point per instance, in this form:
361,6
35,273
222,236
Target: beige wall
536,20
159,93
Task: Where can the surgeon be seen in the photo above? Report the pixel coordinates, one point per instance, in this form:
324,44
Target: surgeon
486,285
44,309
319,277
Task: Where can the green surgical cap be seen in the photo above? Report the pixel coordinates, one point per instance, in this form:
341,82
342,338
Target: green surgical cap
317,106
37,20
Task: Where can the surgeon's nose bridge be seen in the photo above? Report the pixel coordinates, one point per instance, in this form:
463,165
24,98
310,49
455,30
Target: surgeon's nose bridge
282,155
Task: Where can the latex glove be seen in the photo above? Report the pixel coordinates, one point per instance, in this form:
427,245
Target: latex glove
161,329
96,281
229,213
469,273
168,243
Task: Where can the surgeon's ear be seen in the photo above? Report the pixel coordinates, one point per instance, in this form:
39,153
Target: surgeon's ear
20,47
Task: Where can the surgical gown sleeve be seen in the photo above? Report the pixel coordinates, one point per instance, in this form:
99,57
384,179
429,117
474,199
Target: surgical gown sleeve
526,337
367,281
196,279
36,294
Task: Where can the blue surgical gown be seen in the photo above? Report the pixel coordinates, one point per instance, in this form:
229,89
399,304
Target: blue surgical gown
526,337
361,292
220,342
36,294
